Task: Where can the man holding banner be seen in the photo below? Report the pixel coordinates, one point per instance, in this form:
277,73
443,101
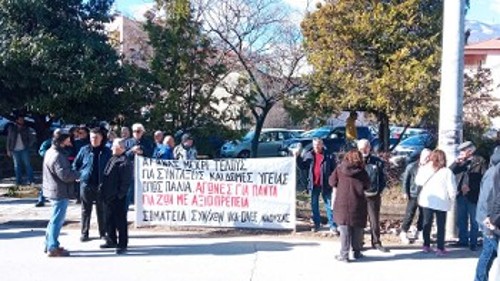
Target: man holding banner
321,164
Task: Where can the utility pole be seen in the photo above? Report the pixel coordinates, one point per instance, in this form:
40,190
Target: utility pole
452,90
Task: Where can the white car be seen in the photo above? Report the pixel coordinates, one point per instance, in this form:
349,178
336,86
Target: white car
270,143
4,125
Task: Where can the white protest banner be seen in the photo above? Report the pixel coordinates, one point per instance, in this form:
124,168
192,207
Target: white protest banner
248,193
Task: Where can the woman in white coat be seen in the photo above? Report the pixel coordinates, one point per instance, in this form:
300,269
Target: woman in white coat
439,189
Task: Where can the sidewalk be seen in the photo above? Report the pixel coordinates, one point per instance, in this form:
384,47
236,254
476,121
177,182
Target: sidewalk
162,254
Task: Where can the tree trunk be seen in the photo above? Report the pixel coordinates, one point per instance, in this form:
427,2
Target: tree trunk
383,131
259,123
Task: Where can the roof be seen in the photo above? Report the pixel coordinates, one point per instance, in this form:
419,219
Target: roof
485,47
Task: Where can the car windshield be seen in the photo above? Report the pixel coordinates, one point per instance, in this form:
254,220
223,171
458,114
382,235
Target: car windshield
248,136
418,140
317,133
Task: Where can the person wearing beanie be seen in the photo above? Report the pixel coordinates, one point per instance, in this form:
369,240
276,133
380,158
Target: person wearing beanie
58,186
90,162
490,242
186,150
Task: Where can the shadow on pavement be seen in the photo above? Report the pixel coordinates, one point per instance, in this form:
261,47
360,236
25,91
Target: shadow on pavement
218,249
22,234
29,224
397,254
17,201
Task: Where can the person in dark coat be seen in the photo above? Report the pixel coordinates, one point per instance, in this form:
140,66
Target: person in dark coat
469,169
116,181
350,181
320,164
90,162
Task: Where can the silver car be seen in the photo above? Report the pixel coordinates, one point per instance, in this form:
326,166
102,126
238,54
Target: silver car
270,143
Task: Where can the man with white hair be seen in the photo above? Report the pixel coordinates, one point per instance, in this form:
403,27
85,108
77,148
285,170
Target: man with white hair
469,169
138,144
117,177
374,166
158,136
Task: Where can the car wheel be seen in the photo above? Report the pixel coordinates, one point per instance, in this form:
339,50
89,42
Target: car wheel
244,154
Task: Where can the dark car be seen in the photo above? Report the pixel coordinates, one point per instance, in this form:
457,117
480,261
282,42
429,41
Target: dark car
333,139
408,149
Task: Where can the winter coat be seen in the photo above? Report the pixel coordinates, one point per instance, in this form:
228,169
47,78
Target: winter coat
84,162
117,178
58,177
470,173
327,167
439,188
26,137
350,183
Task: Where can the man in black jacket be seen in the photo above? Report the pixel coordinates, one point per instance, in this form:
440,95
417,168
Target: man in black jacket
116,181
321,165
90,162
469,169
375,168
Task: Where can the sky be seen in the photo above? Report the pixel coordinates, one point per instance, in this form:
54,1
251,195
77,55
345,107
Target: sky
487,11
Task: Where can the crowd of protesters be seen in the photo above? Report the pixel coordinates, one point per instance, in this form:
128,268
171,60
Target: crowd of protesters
94,166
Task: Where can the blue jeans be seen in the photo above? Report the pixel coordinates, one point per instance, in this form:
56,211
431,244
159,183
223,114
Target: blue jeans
22,158
327,199
488,255
59,207
41,198
466,213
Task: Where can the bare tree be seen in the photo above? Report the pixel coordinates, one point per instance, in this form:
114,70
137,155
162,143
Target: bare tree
262,45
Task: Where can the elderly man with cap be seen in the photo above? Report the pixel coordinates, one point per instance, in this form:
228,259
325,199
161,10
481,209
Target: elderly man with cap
469,169
185,150
58,186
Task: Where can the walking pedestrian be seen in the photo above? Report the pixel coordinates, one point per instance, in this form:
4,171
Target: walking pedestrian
412,191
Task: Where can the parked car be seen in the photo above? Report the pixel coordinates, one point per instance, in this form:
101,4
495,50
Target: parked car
333,139
409,148
270,141
396,132
4,125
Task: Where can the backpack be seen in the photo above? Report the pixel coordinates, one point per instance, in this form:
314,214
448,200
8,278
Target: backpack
373,174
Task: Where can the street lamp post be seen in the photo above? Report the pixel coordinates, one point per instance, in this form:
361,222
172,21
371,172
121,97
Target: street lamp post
452,89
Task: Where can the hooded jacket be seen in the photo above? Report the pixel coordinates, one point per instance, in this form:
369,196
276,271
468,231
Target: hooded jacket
350,183
58,177
487,185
